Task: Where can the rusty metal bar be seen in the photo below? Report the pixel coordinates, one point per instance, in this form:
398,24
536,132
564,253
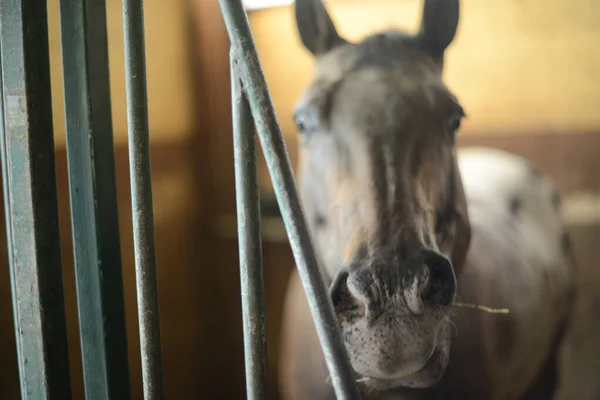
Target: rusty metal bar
92,188
141,197
261,105
31,205
248,223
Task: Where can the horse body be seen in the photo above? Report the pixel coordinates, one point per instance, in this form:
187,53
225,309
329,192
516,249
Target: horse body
516,260
404,227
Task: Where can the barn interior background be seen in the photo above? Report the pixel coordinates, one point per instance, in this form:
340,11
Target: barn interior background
525,70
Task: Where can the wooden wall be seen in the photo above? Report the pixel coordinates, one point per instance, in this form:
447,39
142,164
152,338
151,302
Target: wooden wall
178,205
514,64
189,113
171,91
527,76
518,67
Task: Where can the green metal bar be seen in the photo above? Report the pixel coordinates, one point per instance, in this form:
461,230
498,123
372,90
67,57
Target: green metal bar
248,223
141,196
286,191
94,211
32,210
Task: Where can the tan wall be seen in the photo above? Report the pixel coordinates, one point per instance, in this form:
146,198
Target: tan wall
177,207
168,62
515,64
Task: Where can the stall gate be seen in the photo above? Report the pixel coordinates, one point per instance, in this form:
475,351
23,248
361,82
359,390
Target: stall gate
30,203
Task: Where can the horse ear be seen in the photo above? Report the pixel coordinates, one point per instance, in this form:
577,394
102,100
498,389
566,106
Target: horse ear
438,26
316,29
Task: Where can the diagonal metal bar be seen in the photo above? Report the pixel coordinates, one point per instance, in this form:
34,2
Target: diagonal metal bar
31,202
248,222
141,197
286,191
92,187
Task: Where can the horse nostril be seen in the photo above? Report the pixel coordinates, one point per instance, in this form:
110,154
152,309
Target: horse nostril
440,285
344,302
339,288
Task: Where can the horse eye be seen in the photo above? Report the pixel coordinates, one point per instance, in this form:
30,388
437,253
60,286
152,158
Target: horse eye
299,119
454,124
306,120
455,119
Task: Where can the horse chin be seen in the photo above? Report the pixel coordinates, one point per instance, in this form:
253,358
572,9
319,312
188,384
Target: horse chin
428,375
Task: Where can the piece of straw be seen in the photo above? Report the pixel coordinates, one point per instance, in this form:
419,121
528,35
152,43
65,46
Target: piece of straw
482,308
359,380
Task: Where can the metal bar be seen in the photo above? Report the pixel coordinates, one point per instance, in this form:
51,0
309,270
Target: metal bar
141,197
248,223
32,208
255,85
94,211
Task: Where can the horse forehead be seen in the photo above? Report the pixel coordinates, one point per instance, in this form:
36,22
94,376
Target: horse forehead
393,62
375,92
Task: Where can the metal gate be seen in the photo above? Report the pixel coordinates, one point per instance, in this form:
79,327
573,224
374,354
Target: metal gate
30,201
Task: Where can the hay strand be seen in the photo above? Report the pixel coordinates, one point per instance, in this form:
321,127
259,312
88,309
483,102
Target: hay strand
482,308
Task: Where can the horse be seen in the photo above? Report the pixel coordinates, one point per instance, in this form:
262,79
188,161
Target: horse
407,226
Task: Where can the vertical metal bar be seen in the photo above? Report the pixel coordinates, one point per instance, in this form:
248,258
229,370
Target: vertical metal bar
248,222
255,85
94,212
32,212
141,196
